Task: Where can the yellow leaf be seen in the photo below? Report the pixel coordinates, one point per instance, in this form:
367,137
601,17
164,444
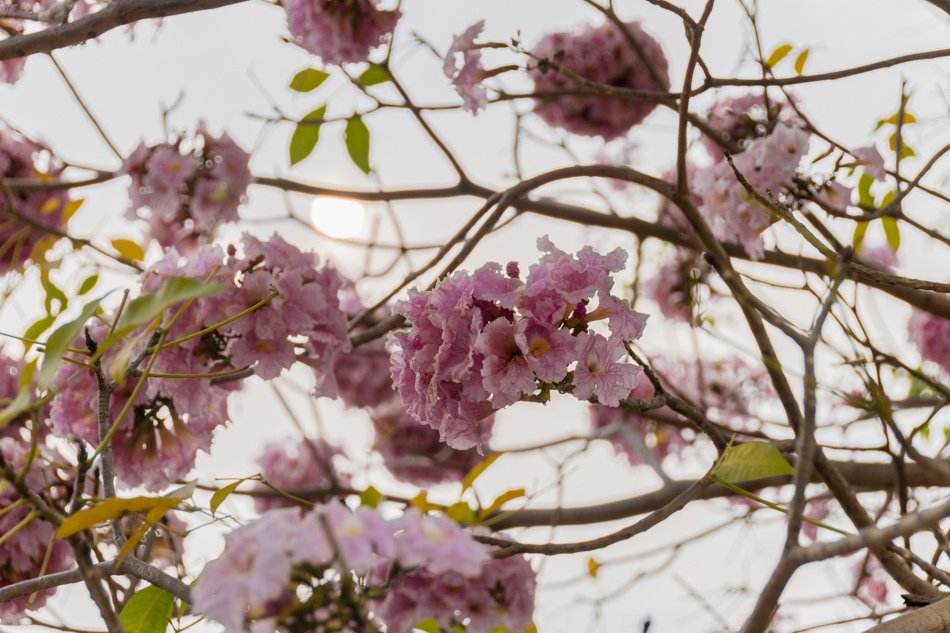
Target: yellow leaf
800,62
778,55
908,118
593,567
481,467
501,500
223,493
108,510
154,516
129,249
50,206
71,207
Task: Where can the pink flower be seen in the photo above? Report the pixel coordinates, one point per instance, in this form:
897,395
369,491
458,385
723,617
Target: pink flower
500,597
673,286
11,69
339,31
547,351
467,77
185,196
743,118
298,468
505,370
22,555
413,453
600,55
768,166
599,373
880,256
931,334
871,160
19,241
835,196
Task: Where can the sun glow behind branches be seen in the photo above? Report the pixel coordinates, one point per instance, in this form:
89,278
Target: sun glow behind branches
337,217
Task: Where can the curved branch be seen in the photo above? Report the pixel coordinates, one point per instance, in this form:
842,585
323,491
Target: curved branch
117,13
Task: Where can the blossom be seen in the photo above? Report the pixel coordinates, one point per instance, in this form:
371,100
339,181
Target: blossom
21,235
500,597
931,334
11,69
871,160
600,373
767,166
673,285
742,118
250,584
185,195
835,196
467,76
339,31
880,256
296,468
307,306
601,55
31,550
482,341
413,453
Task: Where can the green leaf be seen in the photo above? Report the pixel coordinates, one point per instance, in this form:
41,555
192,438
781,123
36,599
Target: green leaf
429,625
148,611
146,308
37,328
306,135
461,512
800,62
60,339
23,398
778,55
357,142
891,231
865,198
53,293
858,238
371,497
501,500
223,493
88,284
480,467
751,461
308,79
110,509
374,75
129,249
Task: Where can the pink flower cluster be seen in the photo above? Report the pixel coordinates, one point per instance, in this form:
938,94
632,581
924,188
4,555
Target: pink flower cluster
768,165
296,468
728,390
21,235
743,118
173,417
339,31
187,193
502,595
23,554
482,341
305,315
604,56
257,581
467,76
931,334
413,453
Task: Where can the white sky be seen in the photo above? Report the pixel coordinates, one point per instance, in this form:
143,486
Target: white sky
211,57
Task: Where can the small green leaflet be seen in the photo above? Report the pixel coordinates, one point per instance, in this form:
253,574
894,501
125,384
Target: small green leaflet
858,238
148,611
38,327
146,308
60,339
306,135
374,75
88,284
751,461
778,55
800,62
308,79
481,467
891,231
371,497
357,143
223,493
